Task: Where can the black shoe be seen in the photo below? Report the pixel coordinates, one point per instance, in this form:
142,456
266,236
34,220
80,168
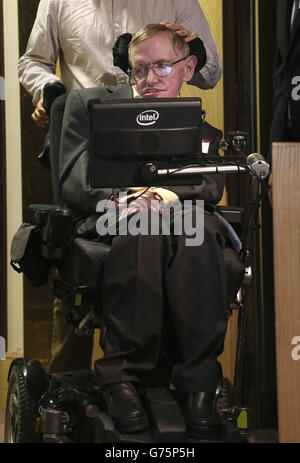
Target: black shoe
202,418
124,407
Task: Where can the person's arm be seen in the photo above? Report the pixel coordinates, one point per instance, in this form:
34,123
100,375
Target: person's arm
37,66
210,190
191,17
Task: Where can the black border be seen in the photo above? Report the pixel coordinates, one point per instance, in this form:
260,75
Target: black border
3,214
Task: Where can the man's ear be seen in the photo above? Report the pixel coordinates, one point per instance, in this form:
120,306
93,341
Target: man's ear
189,67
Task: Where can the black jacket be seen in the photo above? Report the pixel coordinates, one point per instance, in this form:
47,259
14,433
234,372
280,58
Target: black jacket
286,75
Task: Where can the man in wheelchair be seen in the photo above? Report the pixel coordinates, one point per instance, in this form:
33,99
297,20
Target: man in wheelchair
161,297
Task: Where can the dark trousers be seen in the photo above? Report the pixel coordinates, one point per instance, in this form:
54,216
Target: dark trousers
160,294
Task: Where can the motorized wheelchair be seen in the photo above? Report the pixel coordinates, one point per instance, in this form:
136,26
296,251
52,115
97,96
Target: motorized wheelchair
65,407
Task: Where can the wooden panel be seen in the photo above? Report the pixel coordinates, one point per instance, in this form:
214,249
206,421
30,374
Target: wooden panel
286,221
4,369
13,175
212,100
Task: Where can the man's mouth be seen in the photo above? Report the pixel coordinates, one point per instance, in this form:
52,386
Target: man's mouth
151,92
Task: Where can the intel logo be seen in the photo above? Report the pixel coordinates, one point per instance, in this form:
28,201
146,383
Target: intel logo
148,117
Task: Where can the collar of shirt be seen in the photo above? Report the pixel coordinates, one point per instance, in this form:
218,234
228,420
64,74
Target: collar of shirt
135,93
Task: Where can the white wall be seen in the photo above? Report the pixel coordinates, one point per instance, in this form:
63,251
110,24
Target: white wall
15,337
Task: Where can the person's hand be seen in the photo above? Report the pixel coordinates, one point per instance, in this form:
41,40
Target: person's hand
181,31
39,116
135,202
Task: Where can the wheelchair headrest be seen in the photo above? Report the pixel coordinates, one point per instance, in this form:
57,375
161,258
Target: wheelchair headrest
121,59
51,91
120,52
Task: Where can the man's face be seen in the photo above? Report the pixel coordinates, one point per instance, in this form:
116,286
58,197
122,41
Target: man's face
155,50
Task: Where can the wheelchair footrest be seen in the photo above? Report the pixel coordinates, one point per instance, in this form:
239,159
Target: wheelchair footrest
230,432
105,431
165,416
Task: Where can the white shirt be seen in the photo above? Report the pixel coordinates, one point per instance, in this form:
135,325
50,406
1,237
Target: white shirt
83,32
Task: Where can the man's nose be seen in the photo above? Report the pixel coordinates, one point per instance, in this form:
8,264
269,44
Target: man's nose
151,76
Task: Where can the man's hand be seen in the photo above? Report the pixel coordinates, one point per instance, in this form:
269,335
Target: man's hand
195,43
133,203
181,31
39,115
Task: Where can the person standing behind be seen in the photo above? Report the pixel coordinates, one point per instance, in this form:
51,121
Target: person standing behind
286,117
83,35
285,125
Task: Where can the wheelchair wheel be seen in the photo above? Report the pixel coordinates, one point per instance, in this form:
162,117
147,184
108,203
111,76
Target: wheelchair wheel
21,410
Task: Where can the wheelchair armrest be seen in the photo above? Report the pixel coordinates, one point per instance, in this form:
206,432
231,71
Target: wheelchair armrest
59,228
233,215
39,213
56,226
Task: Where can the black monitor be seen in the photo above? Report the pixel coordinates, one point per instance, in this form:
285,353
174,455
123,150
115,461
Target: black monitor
127,135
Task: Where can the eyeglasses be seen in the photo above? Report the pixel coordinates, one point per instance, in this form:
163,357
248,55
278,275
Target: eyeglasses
159,69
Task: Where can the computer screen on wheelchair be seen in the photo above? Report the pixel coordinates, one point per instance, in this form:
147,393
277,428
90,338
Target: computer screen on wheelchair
126,135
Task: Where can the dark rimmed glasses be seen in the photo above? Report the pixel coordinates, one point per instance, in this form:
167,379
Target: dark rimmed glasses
160,70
